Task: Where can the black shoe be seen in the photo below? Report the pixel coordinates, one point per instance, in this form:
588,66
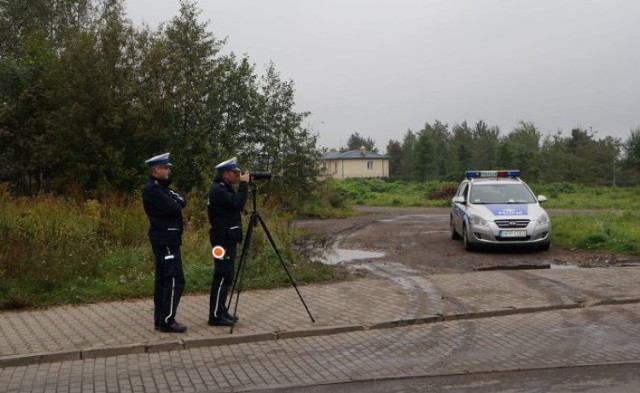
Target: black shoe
222,321
231,317
174,327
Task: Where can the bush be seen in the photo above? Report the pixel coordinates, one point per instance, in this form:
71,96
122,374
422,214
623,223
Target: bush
328,200
593,241
555,189
446,191
379,192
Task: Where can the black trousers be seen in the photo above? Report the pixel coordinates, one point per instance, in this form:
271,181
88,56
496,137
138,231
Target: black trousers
169,283
222,280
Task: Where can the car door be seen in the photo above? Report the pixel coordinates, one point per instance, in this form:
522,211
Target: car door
459,209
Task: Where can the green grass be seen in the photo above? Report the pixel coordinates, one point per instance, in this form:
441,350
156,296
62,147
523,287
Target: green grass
616,232
379,192
328,201
569,196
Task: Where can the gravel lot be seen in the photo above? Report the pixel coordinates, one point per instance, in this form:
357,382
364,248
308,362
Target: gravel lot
420,238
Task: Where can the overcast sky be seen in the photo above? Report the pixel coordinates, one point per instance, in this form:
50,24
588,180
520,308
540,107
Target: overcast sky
382,67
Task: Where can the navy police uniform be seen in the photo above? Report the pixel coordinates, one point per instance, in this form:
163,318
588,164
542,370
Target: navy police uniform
224,211
164,210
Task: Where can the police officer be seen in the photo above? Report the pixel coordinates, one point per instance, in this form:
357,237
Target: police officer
164,210
224,210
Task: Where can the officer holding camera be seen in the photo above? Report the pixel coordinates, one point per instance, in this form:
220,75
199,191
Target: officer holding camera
224,209
164,210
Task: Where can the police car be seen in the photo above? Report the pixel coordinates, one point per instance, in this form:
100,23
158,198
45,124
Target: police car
497,208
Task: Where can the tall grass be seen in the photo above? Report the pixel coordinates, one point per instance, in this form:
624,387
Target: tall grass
572,196
57,251
327,201
616,232
380,192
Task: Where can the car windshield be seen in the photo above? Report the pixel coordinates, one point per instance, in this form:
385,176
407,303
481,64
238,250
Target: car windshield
500,193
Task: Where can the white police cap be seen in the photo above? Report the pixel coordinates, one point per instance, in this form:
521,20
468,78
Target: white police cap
160,159
228,165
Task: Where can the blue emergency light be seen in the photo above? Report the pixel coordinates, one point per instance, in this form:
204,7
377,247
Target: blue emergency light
478,174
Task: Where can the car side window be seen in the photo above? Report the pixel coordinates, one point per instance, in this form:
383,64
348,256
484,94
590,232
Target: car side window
462,190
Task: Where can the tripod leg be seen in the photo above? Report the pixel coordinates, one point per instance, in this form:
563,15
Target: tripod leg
237,282
284,266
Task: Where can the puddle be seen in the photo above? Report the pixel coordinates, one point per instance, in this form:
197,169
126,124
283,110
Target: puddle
513,267
420,218
335,256
568,266
527,267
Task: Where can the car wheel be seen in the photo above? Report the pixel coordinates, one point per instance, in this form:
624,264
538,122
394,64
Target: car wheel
545,246
454,234
465,239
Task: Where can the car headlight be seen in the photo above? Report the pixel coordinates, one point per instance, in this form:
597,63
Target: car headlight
543,219
478,221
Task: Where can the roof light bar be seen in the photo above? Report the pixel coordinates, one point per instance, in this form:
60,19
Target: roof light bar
507,173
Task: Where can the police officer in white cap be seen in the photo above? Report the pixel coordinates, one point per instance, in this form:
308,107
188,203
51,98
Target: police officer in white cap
164,210
224,210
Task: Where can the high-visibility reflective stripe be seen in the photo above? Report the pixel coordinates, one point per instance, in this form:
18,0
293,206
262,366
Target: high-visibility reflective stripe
215,310
173,292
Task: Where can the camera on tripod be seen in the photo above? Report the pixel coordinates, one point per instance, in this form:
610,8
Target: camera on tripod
254,220
259,176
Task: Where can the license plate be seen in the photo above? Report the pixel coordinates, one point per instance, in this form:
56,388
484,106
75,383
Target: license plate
510,234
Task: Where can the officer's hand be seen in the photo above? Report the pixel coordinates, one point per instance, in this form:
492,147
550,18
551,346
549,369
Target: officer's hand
245,176
178,198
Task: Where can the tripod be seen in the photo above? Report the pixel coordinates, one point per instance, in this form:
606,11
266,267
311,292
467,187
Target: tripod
254,219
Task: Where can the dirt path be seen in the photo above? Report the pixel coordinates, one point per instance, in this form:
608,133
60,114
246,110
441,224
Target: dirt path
419,238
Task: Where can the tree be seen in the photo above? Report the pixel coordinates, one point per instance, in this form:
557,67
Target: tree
190,61
630,164
95,125
85,98
578,158
554,155
441,139
520,149
25,102
356,141
281,145
583,149
632,150
394,152
485,146
32,36
461,149
611,150
50,20
408,144
423,156
234,109
430,157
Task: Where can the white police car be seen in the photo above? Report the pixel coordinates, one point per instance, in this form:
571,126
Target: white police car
497,208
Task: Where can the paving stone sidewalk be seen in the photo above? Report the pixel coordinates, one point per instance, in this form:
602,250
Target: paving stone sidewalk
399,297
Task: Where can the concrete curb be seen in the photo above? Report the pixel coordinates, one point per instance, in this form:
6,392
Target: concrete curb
232,339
